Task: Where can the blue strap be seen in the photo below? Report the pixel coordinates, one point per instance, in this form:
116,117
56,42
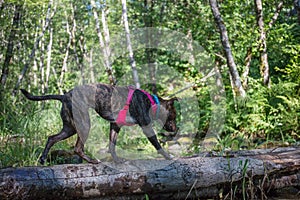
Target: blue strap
158,105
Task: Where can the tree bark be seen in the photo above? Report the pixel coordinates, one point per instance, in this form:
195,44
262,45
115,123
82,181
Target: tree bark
248,174
10,45
238,88
129,47
264,64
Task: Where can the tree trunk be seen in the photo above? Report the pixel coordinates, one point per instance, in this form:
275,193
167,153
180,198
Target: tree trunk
264,64
107,63
247,67
49,52
65,61
41,61
49,16
249,50
129,47
275,16
245,174
238,88
10,45
73,43
106,34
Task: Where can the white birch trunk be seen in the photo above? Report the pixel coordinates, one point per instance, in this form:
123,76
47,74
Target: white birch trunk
129,47
107,63
49,52
264,64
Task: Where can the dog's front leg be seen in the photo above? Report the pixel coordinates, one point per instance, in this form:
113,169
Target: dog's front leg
113,135
149,132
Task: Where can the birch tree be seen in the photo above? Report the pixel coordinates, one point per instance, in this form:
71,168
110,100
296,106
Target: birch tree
49,52
129,47
236,81
107,63
65,63
264,64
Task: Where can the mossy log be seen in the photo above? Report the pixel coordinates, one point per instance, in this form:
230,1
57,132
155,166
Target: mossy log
253,174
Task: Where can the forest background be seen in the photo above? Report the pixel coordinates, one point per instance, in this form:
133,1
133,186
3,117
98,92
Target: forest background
51,46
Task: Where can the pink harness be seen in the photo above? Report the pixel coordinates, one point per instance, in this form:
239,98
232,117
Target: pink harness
121,119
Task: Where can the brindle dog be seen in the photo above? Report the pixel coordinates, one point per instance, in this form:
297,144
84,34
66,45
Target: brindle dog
107,101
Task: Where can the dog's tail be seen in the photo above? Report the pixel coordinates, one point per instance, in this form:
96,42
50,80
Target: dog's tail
41,98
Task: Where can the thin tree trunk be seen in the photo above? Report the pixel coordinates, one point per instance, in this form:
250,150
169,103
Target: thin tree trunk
107,63
91,66
85,57
275,16
264,64
10,45
249,54
41,61
106,33
247,67
73,33
49,16
129,47
65,61
49,52
238,88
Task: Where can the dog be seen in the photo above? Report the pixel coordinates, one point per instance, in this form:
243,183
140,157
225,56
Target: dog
108,101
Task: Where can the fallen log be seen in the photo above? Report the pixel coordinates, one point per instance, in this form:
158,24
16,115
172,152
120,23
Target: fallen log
249,174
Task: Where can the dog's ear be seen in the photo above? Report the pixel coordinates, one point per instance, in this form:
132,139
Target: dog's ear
172,100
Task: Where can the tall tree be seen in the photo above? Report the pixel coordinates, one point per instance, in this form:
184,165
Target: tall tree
10,44
264,64
49,52
236,81
66,57
129,47
107,63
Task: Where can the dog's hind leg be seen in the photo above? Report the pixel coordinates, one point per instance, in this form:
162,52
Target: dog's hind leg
65,133
79,149
83,124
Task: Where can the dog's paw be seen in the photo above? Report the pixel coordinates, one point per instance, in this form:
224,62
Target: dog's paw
94,161
165,154
42,160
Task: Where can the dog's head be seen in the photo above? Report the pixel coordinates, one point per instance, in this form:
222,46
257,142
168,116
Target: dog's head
169,115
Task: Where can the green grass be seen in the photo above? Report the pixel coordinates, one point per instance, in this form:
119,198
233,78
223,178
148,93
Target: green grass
25,127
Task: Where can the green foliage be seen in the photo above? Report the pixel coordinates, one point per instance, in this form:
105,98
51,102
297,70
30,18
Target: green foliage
271,114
